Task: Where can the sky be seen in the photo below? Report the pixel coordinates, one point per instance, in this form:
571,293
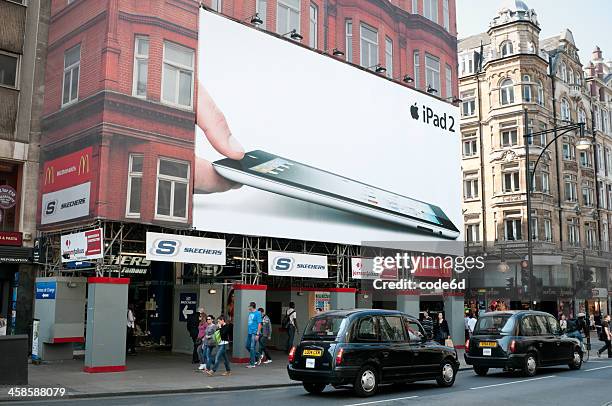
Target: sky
589,20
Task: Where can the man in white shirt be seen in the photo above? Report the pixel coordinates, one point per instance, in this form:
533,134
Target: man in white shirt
291,325
471,323
131,323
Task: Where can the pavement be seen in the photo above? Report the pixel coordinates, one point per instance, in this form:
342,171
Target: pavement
150,373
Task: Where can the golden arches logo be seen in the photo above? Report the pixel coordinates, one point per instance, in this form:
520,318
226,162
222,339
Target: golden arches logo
49,176
84,164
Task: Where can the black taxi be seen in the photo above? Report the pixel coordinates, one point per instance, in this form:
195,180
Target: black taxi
365,348
520,340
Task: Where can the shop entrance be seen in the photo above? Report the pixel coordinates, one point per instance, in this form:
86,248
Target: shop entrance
7,297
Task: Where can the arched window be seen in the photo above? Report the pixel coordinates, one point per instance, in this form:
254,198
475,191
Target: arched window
527,88
565,110
540,93
507,92
571,77
582,116
578,78
530,47
506,48
563,72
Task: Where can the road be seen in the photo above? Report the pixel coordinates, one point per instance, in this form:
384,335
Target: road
590,386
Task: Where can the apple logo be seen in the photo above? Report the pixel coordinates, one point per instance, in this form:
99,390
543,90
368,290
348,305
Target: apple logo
414,111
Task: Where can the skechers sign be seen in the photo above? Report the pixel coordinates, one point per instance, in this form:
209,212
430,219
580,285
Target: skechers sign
184,248
290,264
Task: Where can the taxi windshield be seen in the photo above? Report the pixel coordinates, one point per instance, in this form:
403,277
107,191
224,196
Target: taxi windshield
325,327
495,324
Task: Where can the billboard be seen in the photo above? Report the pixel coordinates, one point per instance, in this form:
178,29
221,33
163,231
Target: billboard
294,144
82,246
291,264
66,187
184,248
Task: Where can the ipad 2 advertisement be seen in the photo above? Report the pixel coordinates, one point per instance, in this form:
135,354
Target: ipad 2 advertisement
291,143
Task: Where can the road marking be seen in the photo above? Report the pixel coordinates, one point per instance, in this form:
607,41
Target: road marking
513,382
595,369
380,401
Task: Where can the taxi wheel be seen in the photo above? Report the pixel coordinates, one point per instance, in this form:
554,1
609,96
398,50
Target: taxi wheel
446,376
366,381
530,366
314,388
576,362
481,371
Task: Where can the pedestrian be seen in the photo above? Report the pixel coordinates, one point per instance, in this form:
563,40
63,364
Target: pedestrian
208,342
131,323
192,328
289,323
576,327
428,325
199,341
224,330
253,332
2,326
606,337
563,324
471,324
466,320
443,333
264,339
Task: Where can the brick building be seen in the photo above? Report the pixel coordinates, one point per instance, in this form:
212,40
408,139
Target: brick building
120,79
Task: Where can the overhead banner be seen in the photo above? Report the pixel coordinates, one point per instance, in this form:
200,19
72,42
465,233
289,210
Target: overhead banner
184,248
66,204
69,170
337,154
291,264
82,246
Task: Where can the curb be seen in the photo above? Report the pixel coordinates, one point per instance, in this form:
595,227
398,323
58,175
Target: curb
149,392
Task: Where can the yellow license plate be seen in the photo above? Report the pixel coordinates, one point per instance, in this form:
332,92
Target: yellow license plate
312,353
489,344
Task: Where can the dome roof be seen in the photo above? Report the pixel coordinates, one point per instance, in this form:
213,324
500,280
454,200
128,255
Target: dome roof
514,10
514,5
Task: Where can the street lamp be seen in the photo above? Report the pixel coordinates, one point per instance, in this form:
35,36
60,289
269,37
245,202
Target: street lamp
583,143
378,68
294,35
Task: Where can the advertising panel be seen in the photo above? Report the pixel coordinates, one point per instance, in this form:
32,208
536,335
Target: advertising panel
321,150
82,246
291,264
65,204
68,170
13,238
184,248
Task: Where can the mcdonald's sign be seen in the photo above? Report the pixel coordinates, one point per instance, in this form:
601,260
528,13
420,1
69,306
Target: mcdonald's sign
67,171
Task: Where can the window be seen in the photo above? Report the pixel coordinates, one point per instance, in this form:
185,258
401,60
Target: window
470,186
430,10
172,189
389,56
547,230
513,229
541,325
467,63
545,182
563,72
506,48
573,232
262,11
565,110
527,88
417,69
349,40
217,5
134,187
569,152
528,324
571,76
509,138
72,64
470,147
177,75
415,331
287,16
369,46
367,330
472,232
585,159
511,181
446,15
571,195
449,82
507,92
415,7
432,72
468,107
582,116
314,16
534,226
543,136
540,89
391,328
8,69
588,193
591,238
141,65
